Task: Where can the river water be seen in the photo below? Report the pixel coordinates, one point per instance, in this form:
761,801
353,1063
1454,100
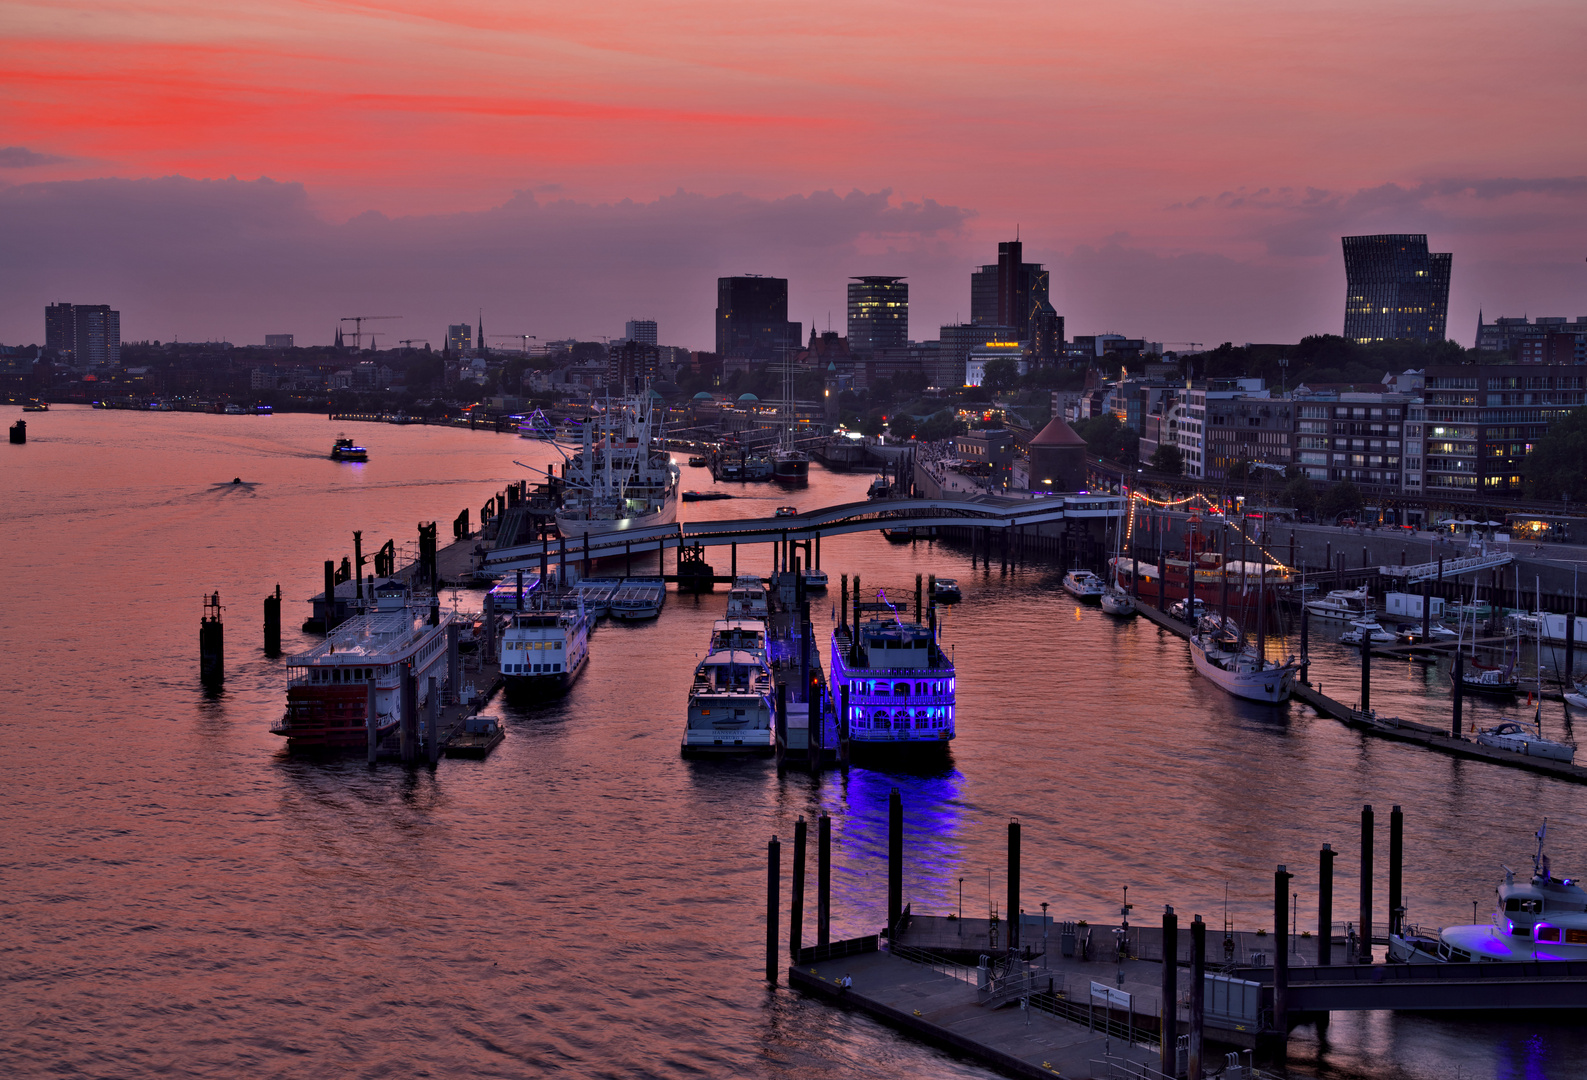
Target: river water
183,899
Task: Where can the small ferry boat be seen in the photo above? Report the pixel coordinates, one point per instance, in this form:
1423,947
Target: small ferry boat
747,599
347,450
1342,605
1235,665
544,649
330,687
901,686
1083,585
1370,629
946,591
36,406
1544,918
1509,735
638,598
705,496
730,706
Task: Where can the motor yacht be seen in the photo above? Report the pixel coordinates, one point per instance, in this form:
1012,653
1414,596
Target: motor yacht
1083,585
1342,605
1370,629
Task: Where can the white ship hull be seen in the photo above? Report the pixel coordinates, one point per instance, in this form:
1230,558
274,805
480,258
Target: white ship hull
574,525
1241,675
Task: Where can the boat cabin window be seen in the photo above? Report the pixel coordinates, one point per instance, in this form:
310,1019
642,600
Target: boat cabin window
1548,933
1516,903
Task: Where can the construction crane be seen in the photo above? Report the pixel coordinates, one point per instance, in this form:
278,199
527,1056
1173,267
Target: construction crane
358,322
526,338
410,342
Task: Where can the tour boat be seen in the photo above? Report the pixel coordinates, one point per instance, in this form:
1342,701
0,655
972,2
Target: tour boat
544,648
1367,628
329,688
730,706
347,450
1083,585
1237,667
747,599
946,590
1510,735
620,479
1342,605
1544,918
638,598
901,686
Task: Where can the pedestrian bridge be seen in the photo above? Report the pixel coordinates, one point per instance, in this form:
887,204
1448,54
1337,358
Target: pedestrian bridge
1442,568
986,511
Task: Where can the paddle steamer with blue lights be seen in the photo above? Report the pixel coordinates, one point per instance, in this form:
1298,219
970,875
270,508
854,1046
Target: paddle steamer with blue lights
901,684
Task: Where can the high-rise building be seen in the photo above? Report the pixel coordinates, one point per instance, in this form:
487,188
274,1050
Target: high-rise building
459,338
957,339
1395,289
641,330
278,341
83,333
878,314
1013,292
631,364
752,318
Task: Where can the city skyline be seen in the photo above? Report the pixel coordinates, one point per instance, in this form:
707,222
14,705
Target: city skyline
1199,198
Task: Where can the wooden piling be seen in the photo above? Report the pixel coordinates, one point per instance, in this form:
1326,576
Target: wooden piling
408,724
432,721
1169,1031
272,623
843,609
330,595
1013,884
1305,644
1366,671
1460,688
1281,879
920,611
1364,927
1325,905
1396,857
1198,994
823,880
773,903
796,913
895,860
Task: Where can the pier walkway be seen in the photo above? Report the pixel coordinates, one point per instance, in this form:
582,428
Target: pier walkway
985,511
1447,568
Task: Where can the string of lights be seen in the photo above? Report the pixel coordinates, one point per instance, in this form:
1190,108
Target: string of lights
1129,532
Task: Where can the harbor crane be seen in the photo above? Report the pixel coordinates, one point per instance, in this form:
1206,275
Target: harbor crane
526,338
358,322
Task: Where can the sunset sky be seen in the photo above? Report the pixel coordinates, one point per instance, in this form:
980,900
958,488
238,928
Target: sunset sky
228,170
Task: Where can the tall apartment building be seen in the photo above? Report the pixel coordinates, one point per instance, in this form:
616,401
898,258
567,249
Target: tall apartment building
459,338
878,314
631,365
752,319
1247,425
1483,419
83,333
1357,437
1395,289
641,330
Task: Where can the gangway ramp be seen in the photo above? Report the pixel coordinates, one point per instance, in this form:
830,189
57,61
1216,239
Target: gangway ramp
1430,571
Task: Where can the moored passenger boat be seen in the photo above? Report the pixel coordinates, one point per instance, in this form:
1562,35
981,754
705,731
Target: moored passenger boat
748,600
901,687
330,687
543,649
730,706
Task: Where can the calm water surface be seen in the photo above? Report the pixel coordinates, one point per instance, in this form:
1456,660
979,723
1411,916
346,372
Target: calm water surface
181,898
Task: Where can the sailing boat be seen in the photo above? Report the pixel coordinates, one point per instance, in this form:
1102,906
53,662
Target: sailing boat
1511,735
1480,678
1115,600
1223,654
789,465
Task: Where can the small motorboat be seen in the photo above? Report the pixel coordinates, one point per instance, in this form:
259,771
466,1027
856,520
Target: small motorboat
698,462
1510,735
786,511
347,450
36,406
899,536
1343,605
1369,629
1083,585
1411,633
705,496
479,736
945,590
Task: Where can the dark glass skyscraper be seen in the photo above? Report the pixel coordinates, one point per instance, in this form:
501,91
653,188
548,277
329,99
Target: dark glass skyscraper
84,333
1395,290
752,318
878,314
1012,292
